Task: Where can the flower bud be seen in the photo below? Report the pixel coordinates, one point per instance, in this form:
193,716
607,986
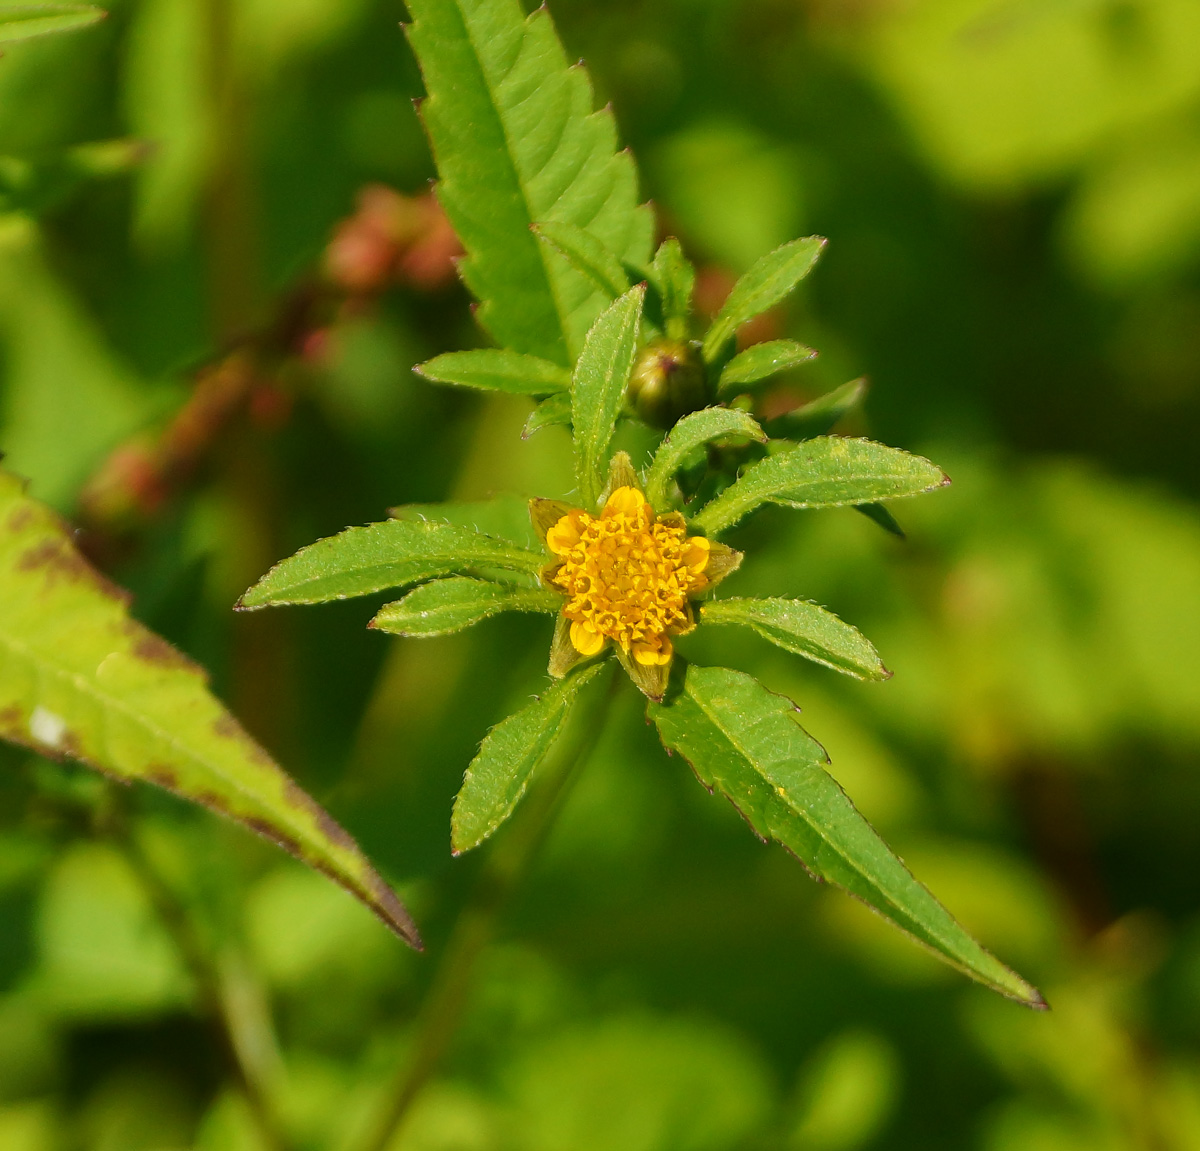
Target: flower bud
667,382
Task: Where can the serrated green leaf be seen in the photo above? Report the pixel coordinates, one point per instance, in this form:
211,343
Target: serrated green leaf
762,360
517,142
449,605
497,370
879,514
586,254
673,277
79,677
805,629
553,410
507,759
598,388
827,472
747,743
821,415
767,282
363,560
23,21
689,433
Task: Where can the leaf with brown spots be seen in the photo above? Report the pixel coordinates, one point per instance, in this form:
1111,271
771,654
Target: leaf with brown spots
80,678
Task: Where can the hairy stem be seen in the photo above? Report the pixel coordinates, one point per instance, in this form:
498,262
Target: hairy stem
507,865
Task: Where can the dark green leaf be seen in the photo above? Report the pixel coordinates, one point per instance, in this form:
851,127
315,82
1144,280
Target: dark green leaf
586,254
673,278
766,283
821,415
878,513
368,559
507,759
448,605
803,628
517,142
497,370
553,410
689,433
21,21
747,743
826,472
762,360
598,388
79,677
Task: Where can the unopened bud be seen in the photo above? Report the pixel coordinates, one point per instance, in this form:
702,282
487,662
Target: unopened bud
667,382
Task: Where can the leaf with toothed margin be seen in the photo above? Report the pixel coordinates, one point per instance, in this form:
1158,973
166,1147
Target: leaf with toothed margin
827,472
516,143
746,743
363,560
587,255
507,760
23,21
80,678
689,433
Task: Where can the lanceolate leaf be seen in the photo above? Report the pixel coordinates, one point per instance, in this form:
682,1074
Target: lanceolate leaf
747,743
21,21
762,360
587,255
448,605
819,416
517,143
497,370
689,433
826,472
673,278
368,559
879,514
510,754
762,287
79,677
552,410
598,387
803,628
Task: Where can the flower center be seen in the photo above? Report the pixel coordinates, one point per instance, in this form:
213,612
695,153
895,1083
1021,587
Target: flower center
628,576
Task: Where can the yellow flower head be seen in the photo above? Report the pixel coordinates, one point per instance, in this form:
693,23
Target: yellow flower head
628,576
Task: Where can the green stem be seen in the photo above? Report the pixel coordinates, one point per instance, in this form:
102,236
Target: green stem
506,866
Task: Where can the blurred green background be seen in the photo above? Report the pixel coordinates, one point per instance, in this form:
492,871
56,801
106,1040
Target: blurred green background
1012,193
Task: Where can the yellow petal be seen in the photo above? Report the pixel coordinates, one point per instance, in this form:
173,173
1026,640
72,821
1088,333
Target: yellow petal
696,553
652,656
627,500
585,639
564,535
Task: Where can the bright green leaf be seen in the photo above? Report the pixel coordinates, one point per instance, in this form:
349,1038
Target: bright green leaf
507,759
803,628
821,415
517,142
766,283
747,743
763,360
673,278
21,21
363,560
598,388
448,605
505,516
79,677
826,472
689,433
497,370
552,410
586,254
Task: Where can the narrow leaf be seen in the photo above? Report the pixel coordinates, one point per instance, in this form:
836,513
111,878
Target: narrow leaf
363,560
598,387
517,142
507,759
497,370
747,743
766,283
22,21
821,415
689,433
879,514
552,410
79,677
505,516
448,605
826,472
762,360
673,278
803,628
586,254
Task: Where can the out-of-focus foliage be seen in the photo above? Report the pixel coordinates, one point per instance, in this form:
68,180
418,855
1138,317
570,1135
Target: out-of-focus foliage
1014,262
